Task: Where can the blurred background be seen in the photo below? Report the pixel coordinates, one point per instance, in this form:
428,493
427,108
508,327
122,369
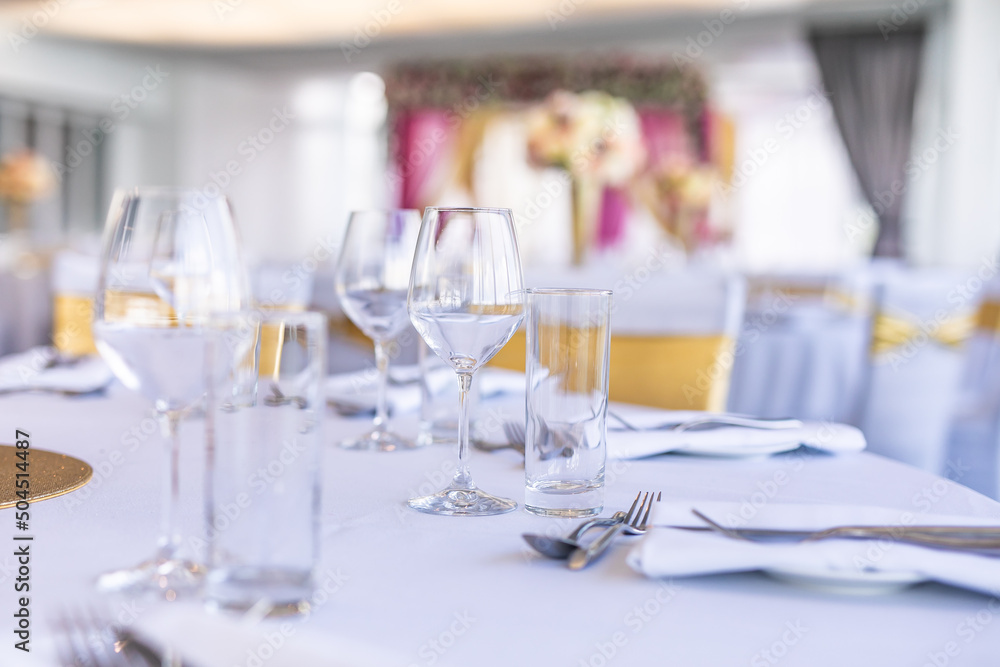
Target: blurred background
836,160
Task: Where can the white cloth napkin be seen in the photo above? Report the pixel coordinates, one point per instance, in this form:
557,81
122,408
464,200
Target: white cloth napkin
359,389
41,369
720,441
217,640
673,552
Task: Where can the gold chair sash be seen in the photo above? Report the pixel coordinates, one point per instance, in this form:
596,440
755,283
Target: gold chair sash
71,324
671,372
988,317
891,332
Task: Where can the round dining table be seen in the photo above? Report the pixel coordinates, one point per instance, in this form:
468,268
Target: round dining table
436,590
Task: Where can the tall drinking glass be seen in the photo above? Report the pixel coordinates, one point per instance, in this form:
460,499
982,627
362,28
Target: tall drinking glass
373,274
466,300
171,265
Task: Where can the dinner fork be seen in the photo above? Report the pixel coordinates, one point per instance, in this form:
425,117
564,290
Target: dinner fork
635,522
983,539
84,641
765,423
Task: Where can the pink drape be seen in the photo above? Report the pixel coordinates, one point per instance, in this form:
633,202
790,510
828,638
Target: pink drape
421,137
665,137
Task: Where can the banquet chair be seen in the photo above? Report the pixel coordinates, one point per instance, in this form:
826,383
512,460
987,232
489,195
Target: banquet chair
74,281
672,334
803,346
915,364
973,451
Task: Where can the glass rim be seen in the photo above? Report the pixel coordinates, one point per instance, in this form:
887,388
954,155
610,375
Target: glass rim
568,291
383,210
168,190
469,209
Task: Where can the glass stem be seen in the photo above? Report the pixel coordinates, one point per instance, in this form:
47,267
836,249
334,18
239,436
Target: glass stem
382,366
462,477
170,533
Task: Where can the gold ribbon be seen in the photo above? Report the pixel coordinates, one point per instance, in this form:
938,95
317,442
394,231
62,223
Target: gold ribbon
988,317
894,331
671,372
72,317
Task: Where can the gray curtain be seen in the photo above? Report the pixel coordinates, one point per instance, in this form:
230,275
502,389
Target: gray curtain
872,81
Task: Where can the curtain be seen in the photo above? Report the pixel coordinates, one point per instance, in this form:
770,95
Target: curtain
871,79
421,139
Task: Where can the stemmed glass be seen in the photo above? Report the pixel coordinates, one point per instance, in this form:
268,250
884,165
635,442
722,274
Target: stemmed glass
372,277
466,300
171,266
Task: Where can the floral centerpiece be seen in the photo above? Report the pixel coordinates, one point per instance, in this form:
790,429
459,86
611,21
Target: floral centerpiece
593,136
679,193
25,177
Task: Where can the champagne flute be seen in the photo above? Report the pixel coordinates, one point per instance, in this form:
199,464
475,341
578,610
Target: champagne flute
171,266
373,274
466,300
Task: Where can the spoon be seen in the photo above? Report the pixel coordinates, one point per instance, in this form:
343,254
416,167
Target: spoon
562,547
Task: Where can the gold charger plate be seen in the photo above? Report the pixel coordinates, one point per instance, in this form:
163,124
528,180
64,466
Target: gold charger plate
51,475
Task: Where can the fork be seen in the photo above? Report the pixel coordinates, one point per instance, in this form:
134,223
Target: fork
778,423
974,538
87,642
634,522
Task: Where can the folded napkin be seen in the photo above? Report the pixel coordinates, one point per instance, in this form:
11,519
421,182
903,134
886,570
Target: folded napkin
360,389
42,369
218,640
674,552
729,441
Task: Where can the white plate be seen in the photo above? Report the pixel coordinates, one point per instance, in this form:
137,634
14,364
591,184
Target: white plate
851,582
728,450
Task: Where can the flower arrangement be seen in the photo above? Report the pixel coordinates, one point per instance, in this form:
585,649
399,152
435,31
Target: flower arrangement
591,135
596,138
25,177
679,193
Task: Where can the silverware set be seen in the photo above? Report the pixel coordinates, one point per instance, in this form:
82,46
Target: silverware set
633,522
87,639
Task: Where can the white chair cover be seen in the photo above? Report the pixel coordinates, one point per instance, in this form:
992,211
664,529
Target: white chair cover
803,346
912,387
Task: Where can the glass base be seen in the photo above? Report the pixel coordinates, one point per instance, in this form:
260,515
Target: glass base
380,441
458,501
279,592
164,577
567,499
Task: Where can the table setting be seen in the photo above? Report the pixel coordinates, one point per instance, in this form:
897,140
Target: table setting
308,519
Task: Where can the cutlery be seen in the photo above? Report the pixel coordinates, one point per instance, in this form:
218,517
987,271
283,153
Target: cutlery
985,538
516,439
562,547
86,638
712,422
636,520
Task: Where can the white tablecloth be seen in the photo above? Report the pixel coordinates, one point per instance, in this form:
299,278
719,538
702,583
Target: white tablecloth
463,591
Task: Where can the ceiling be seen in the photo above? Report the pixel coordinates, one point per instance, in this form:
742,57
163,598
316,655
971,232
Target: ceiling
343,23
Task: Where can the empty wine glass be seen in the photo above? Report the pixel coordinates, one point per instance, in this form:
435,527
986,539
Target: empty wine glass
373,274
466,300
171,265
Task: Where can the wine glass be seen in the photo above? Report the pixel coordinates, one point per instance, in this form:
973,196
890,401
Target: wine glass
466,300
373,274
171,267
